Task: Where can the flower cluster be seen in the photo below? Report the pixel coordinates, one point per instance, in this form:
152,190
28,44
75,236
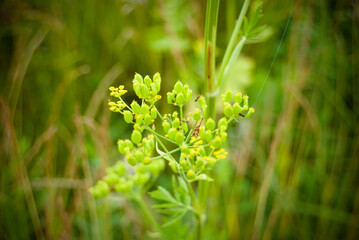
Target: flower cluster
124,180
180,95
198,140
236,110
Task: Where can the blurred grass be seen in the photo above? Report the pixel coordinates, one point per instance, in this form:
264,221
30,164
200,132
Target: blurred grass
293,169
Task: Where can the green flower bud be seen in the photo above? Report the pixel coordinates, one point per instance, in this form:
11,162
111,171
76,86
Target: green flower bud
228,110
137,127
147,160
176,123
223,136
196,114
172,133
102,188
209,165
237,109
147,81
145,108
141,179
184,126
205,111
238,98
157,77
208,136
137,88
138,78
140,168
139,155
228,95
210,124
202,151
124,186
250,112
136,137
119,169
156,166
135,107
202,102
121,146
199,162
188,95
185,149
157,86
95,192
111,179
191,174
216,142
129,144
178,87
223,123
144,90
245,100
147,145
183,163
139,119
127,115
175,114
153,113
202,132
152,141
131,159
179,138
166,126
154,88
180,99
170,97
185,89
148,119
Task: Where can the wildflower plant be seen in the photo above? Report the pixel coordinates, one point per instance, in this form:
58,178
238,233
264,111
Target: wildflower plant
196,143
190,144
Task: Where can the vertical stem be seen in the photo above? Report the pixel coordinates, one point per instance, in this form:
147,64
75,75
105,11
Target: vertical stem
210,43
212,82
210,79
232,42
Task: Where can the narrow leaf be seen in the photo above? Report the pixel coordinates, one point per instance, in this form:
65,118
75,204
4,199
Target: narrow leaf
175,218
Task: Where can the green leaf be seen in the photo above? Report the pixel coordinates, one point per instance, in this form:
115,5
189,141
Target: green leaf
183,191
203,177
163,194
175,188
166,205
170,211
175,218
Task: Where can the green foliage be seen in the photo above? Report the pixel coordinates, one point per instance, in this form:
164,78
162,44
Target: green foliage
290,172
199,148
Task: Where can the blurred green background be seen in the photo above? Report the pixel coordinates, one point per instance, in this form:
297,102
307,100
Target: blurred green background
292,170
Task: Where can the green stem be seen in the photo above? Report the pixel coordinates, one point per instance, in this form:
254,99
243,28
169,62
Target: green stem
181,113
190,133
232,42
234,56
159,135
126,104
167,153
158,113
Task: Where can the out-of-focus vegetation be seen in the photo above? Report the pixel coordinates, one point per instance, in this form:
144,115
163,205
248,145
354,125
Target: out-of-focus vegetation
292,171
